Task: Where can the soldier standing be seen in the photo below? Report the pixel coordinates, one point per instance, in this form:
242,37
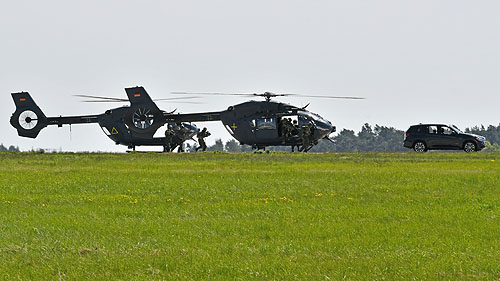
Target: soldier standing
285,129
201,139
181,136
289,132
295,126
305,135
169,134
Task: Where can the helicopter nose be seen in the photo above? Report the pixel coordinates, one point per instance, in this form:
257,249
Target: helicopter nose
333,128
324,128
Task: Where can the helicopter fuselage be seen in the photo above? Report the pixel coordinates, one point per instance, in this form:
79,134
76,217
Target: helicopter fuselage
257,123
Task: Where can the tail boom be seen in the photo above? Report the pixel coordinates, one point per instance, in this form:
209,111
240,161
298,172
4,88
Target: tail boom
29,119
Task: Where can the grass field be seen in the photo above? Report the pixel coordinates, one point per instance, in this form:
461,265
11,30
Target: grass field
250,216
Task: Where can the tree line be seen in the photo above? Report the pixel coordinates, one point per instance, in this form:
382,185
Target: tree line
369,139
9,149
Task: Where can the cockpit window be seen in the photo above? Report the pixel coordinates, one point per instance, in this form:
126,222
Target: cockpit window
266,123
306,115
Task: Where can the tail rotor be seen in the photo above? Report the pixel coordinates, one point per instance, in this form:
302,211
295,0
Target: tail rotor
28,118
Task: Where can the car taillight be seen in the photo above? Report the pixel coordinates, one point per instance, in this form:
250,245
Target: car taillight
407,134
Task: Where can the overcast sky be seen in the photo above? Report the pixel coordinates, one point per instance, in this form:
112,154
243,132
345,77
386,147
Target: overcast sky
414,61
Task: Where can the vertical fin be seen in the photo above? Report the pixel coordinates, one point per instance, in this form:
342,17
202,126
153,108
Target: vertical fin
139,96
28,118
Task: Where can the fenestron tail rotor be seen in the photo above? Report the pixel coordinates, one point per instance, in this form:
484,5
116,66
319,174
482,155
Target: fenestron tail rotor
28,119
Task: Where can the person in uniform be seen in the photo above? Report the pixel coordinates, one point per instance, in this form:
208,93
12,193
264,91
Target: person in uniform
305,136
281,125
289,132
181,137
201,139
295,126
169,134
285,129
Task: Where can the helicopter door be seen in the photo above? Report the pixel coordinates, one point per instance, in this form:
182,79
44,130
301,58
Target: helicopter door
293,120
265,128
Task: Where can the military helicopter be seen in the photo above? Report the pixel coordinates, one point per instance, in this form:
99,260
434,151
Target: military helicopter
254,123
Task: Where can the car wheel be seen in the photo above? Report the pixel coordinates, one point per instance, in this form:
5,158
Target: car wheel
469,147
419,147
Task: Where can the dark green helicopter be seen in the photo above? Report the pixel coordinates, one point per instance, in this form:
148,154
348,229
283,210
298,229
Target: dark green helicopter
254,123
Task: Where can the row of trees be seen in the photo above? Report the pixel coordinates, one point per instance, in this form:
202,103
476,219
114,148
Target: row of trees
9,149
369,139
378,138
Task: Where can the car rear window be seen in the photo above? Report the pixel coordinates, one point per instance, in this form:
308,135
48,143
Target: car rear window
415,129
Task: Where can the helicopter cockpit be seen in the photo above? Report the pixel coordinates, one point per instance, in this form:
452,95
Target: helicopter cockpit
322,127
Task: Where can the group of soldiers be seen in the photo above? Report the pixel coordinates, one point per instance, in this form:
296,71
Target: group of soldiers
290,128
170,133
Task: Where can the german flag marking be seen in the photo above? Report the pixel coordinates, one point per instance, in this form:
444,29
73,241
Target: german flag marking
22,99
137,95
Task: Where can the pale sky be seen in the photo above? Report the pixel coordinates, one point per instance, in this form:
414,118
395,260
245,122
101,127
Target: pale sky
414,61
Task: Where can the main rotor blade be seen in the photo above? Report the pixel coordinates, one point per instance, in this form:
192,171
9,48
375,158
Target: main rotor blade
109,99
176,98
101,98
174,101
191,102
325,97
270,94
266,94
104,101
214,94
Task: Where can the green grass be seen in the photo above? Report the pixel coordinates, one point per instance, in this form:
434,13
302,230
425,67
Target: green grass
250,216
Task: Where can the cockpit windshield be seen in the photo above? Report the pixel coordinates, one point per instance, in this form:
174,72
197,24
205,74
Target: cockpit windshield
318,120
